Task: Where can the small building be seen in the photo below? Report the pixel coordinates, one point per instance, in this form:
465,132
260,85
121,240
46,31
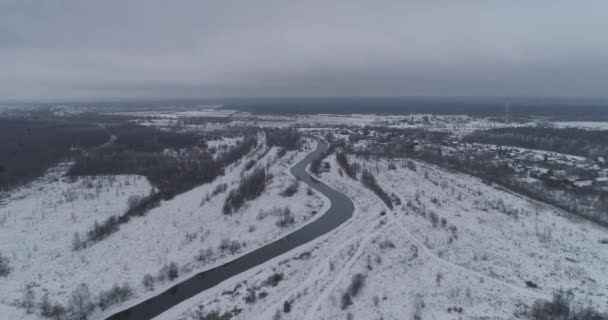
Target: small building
601,181
583,183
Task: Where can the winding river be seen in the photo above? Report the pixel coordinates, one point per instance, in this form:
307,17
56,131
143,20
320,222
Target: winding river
341,210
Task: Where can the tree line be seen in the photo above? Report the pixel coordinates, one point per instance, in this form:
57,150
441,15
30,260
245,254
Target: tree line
585,143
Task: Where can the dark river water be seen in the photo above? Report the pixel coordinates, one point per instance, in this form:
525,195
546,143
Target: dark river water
341,210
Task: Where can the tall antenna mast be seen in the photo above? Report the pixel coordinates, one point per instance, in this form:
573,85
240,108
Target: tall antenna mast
507,113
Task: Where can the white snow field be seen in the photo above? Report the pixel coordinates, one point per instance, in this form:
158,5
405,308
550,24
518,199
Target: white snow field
494,254
38,225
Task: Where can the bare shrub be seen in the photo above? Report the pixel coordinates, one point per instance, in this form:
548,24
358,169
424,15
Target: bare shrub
561,307
418,307
114,295
274,279
287,306
77,242
249,188
213,315
5,267
28,301
251,296
134,201
232,246
168,272
386,244
80,303
204,255
410,165
347,167
434,218
353,290
148,282
291,189
369,181
51,310
285,218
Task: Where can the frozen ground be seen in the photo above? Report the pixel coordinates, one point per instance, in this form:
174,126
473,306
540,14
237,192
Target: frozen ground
40,221
494,254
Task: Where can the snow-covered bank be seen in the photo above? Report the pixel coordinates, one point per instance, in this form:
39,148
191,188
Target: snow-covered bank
477,252
189,230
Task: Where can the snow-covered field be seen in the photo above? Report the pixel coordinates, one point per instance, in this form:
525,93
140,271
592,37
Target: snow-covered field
493,255
455,248
39,222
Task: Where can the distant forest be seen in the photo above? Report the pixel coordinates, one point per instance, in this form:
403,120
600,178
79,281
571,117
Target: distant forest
584,143
573,109
141,150
28,147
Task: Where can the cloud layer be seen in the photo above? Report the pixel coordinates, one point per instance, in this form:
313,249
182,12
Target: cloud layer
160,49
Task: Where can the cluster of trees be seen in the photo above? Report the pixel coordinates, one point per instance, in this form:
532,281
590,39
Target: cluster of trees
5,267
562,307
141,150
315,165
349,169
585,143
369,181
590,204
100,231
80,304
114,295
28,147
291,189
250,187
168,272
286,218
353,290
213,315
286,138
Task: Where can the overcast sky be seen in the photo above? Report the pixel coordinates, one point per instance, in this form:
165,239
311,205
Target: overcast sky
165,49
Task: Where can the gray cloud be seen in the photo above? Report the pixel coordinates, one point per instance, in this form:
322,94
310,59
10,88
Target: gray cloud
149,49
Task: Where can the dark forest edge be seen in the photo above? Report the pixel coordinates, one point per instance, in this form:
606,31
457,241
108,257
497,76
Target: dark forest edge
143,151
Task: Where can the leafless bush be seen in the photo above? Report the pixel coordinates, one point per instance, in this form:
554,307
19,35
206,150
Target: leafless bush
434,218
168,272
114,295
148,282
5,267
418,307
369,181
410,165
386,244
249,188
285,218
274,279
287,306
134,201
213,315
77,242
28,301
80,303
232,246
353,290
562,307
204,255
251,296
51,310
291,189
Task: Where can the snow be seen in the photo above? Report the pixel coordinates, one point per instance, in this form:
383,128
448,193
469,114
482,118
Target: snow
480,273
39,228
